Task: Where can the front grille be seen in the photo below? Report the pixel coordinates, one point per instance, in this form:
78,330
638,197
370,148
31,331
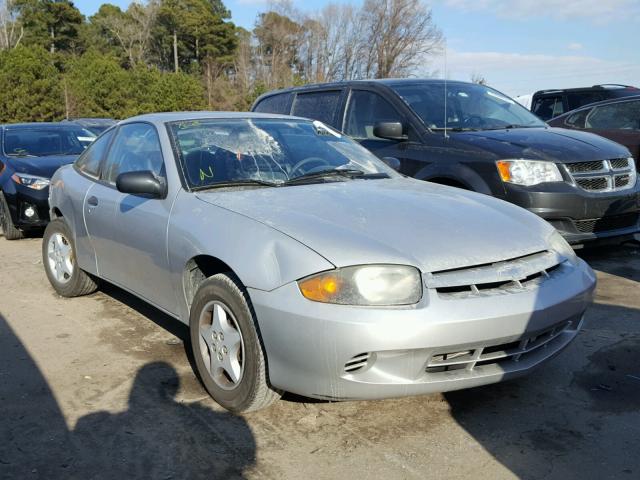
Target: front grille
507,276
620,163
593,183
478,356
614,222
622,180
603,175
585,167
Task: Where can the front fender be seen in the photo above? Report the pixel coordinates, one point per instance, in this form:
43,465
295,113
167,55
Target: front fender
262,257
457,172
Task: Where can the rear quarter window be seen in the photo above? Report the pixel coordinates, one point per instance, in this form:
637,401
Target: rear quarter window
280,104
321,106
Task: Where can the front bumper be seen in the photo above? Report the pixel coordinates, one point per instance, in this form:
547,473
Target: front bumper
312,348
24,197
581,216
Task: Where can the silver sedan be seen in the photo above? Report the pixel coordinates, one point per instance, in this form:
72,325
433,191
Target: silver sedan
303,263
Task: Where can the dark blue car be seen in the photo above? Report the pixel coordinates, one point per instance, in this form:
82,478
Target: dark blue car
30,153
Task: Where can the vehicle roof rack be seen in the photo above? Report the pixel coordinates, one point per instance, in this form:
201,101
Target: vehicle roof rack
604,85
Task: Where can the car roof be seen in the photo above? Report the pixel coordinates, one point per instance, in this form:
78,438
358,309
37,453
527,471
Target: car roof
33,125
168,117
609,101
605,87
91,119
390,82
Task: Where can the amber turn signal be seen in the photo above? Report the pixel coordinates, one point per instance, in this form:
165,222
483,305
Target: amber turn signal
321,288
504,168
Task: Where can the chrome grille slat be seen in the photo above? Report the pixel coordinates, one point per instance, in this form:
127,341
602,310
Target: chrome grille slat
502,277
504,271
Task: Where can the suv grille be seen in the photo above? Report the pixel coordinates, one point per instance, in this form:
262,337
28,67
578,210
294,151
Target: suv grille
603,175
506,276
614,222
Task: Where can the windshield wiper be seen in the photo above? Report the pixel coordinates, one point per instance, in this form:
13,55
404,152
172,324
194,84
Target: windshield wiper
21,155
237,183
510,127
335,172
453,129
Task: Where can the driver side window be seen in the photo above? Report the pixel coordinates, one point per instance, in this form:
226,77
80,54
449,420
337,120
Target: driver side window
364,111
135,148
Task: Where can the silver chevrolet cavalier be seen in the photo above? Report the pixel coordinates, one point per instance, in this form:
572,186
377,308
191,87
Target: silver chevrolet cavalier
303,263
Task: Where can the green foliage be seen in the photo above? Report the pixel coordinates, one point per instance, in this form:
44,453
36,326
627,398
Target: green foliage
53,24
97,86
31,86
200,29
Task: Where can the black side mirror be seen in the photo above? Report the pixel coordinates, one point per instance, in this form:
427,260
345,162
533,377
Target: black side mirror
392,162
389,130
140,183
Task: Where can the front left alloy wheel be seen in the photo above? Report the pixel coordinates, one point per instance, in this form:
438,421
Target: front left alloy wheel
226,346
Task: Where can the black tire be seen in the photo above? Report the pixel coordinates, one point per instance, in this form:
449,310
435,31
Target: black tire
252,391
8,228
79,282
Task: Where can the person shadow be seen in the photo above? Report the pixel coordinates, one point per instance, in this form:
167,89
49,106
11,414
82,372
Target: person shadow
155,437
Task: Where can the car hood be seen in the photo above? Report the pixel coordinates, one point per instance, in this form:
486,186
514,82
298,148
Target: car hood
41,166
553,144
401,221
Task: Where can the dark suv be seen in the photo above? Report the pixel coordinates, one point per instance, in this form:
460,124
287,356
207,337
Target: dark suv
548,104
585,185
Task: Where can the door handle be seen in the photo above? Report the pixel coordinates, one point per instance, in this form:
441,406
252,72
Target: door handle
92,201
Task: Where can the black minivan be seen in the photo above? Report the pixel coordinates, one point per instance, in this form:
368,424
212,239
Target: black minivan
583,184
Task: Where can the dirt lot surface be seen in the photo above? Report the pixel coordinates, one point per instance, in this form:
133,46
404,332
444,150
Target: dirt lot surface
101,387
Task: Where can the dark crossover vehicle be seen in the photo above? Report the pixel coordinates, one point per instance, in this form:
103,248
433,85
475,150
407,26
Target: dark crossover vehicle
583,184
94,125
548,104
30,154
617,119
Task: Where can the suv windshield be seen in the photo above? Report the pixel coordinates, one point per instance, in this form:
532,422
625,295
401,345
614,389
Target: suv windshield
469,106
269,152
43,142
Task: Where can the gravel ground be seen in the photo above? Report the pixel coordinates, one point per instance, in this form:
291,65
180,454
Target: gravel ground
101,387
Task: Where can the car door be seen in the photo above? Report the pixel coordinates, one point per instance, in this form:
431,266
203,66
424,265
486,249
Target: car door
88,166
129,231
364,109
619,121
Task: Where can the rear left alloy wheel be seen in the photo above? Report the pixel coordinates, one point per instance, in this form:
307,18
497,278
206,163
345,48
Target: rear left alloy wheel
226,346
59,259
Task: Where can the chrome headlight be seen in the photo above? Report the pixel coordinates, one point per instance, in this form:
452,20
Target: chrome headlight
559,245
31,181
528,172
365,285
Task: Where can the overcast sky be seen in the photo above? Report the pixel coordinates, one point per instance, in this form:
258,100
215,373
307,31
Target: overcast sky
519,46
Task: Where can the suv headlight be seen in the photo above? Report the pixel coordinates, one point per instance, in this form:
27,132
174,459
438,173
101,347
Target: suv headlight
528,172
365,285
31,181
559,245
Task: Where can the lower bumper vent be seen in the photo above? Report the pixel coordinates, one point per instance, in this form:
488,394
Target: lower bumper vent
357,363
614,222
493,354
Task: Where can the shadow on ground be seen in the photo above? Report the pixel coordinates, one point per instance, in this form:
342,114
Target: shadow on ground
565,420
156,437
